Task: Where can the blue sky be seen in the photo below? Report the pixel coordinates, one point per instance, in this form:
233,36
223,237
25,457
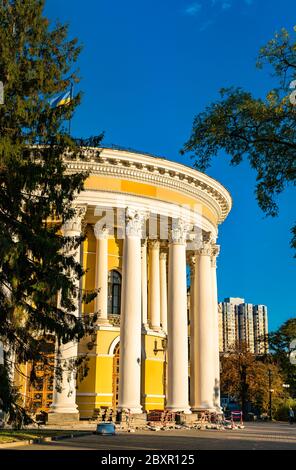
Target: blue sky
147,68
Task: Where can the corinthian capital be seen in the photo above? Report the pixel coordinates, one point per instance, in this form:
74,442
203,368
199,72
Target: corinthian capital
192,261
154,244
101,232
209,249
215,253
178,232
134,222
75,223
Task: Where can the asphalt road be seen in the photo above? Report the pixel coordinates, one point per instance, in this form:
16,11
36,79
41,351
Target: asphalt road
255,436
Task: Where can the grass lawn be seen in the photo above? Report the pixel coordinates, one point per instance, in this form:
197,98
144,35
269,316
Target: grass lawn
10,435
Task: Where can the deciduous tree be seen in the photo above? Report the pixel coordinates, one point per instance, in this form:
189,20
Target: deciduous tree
262,130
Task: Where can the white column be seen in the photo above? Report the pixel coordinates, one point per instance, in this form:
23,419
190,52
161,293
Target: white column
64,397
177,399
205,368
215,329
130,324
163,291
154,285
101,275
144,283
193,363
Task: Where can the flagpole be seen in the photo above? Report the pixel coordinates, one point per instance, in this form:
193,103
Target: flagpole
71,96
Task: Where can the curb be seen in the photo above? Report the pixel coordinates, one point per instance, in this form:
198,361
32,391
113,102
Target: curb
41,440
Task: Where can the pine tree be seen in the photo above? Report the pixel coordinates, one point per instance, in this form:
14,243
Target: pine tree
36,64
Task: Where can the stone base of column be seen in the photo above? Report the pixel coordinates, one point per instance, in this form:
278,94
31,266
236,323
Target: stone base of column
176,409
145,327
59,419
132,419
186,418
201,409
219,410
132,411
157,329
139,419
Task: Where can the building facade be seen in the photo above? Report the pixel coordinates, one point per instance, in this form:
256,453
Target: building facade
243,323
260,322
147,222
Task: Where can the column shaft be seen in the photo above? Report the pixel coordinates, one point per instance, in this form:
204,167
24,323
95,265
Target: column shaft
215,336
177,399
203,355
130,325
154,285
101,274
193,363
144,283
163,291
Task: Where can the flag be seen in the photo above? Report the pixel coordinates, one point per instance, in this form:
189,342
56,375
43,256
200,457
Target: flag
61,100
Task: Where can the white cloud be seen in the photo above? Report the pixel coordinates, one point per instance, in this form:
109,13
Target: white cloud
193,9
226,4
206,25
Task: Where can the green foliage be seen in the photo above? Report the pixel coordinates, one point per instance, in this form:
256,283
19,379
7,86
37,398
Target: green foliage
10,402
263,130
282,411
36,63
279,345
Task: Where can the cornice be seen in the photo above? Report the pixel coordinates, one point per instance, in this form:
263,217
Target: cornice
153,170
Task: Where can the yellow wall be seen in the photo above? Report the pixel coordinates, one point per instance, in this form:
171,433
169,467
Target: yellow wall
149,190
99,378
99,381
89,262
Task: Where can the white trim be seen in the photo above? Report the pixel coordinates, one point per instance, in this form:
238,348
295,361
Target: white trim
158,334
104,200
108,328
139,167
152,403
95,355
94,403
148,395
113,345
156,359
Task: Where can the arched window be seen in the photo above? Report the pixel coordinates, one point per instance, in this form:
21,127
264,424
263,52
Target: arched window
114,292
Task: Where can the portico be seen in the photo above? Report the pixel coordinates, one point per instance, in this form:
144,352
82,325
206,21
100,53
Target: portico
148,223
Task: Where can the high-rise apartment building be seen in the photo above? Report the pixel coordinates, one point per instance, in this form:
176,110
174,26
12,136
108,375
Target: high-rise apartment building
244,323
260,328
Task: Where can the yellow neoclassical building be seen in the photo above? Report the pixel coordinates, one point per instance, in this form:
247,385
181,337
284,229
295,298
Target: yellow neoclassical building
150,223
